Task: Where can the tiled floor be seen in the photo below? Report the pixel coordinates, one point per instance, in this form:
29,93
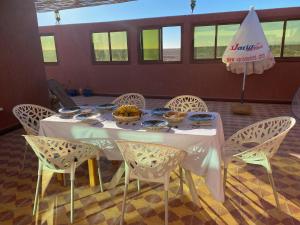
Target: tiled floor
249,195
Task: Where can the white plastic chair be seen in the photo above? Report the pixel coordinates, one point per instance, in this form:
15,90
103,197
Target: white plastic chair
187,103
256,144
149,162
29,116
131,99
61,156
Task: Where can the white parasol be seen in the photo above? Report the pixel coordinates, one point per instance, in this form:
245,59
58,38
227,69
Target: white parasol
248,52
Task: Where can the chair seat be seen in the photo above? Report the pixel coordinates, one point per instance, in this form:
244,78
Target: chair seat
231,149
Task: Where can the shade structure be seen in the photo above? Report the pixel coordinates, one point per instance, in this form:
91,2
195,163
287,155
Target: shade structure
52,5
248,52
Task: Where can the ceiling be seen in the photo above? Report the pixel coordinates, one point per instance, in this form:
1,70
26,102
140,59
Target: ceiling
52,5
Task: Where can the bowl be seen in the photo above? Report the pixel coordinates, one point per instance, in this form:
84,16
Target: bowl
154,124
106,107
160,111
174,117
69,112
127,113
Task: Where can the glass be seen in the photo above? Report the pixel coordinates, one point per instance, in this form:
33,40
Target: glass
171,43
273,32
225,35
101,47
292,39
48,48
204,42
119,48
151,44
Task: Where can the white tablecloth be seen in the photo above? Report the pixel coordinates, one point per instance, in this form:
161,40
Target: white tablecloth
203,144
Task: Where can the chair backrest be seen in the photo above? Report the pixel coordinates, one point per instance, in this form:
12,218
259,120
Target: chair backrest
268,134
59,154
187,103
131,99
58,90
29,116
150,161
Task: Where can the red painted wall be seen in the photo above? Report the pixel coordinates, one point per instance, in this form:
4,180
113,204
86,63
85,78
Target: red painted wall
22,73
209,80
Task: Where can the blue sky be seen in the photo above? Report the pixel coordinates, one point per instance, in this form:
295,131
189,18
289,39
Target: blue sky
156,8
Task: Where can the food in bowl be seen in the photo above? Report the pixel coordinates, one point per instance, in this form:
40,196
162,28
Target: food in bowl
174,117
127,113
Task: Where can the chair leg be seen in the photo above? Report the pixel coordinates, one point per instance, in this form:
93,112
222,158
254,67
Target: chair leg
100,175
37,190
72,178
271,180
138,185
225,177
180,190
166,207
124,203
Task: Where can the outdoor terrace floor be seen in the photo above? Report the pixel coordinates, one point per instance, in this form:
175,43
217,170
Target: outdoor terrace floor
249,198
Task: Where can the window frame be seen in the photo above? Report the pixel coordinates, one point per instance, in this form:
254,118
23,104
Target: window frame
55,44
159,27
217,60
95,62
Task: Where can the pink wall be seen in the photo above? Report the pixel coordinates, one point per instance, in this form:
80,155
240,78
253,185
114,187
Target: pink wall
22,73
209,79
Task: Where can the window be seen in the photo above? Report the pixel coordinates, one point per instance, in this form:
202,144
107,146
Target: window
49,49
225,35
292,39
151,44
161,44
204,42
273,32
110,46
171,43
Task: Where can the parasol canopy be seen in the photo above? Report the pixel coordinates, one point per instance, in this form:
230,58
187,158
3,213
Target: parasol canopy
52,5
249,52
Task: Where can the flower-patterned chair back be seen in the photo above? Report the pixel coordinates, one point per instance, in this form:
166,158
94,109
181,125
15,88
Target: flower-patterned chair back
150,161
267,134
187,103
131,99
59,154
30,115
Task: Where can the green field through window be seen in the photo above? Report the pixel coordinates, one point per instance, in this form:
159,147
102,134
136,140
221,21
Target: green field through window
49,49
110,46
204,42
292,39
273,32
225,35
119,50
101,47
151,44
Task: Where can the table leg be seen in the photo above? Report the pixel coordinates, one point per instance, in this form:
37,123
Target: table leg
93,177
117,177
192,187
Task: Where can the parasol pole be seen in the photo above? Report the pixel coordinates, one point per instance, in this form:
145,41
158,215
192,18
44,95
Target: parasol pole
244,81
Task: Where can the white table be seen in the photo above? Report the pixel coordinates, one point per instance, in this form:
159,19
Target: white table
203,144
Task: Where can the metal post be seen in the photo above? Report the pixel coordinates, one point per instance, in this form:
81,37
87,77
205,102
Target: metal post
244,81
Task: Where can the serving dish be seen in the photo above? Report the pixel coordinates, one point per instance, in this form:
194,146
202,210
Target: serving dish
127,113
154,124
160,111
174,117
107,106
